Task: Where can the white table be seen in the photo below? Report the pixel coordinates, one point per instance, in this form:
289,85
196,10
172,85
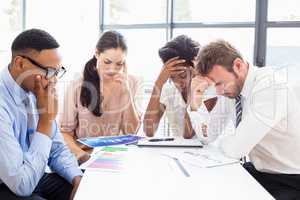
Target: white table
226,182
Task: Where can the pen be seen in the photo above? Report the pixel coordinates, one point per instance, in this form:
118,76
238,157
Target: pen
179,164
181,167
160,139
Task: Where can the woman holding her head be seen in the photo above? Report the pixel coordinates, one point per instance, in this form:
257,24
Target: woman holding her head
171,92
102,102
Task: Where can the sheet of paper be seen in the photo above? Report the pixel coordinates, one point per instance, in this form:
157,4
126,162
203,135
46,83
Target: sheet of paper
204,158
111,159
129,160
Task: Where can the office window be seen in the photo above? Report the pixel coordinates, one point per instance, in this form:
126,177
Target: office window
134,11
143,45
283,28
148,17
283,47
10,26
73,23
287,10
213,11
241,38
226,19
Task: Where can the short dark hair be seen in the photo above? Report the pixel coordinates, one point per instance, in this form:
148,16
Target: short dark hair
183,47
33,39
219,52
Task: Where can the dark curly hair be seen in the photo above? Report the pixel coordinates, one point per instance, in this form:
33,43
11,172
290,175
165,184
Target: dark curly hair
183,47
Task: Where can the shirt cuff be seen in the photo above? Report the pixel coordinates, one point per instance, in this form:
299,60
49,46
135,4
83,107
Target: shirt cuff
226,148
72,173
41,143
198,118
200,115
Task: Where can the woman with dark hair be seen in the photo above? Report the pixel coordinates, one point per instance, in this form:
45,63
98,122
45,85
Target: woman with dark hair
103,101
172,97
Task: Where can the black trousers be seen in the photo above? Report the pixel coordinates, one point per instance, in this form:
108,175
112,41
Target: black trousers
50,187
280,186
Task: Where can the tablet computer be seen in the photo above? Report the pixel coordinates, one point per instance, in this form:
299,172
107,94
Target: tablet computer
109,140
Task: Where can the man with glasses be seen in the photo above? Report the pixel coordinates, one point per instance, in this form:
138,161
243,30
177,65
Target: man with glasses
29,138
50,72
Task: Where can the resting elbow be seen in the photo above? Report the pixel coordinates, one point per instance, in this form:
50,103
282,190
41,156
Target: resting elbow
22,186
188,136
149,132
149,128
230,151
22,190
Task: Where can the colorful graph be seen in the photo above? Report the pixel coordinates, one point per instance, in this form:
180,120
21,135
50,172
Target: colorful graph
109,158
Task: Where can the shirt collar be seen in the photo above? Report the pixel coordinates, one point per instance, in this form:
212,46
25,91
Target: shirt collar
17,93
249,81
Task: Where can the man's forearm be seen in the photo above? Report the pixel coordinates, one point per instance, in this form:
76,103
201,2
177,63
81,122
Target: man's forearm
45,126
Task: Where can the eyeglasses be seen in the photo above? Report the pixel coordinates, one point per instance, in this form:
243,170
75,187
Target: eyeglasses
50,72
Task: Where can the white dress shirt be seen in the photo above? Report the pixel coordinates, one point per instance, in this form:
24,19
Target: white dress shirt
269,131
172,99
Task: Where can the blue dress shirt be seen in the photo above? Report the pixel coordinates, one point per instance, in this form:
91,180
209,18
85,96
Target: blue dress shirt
24,152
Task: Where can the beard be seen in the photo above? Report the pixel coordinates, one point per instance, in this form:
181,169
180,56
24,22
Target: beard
234,89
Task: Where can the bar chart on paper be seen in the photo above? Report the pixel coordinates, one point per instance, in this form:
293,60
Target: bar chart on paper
107,159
